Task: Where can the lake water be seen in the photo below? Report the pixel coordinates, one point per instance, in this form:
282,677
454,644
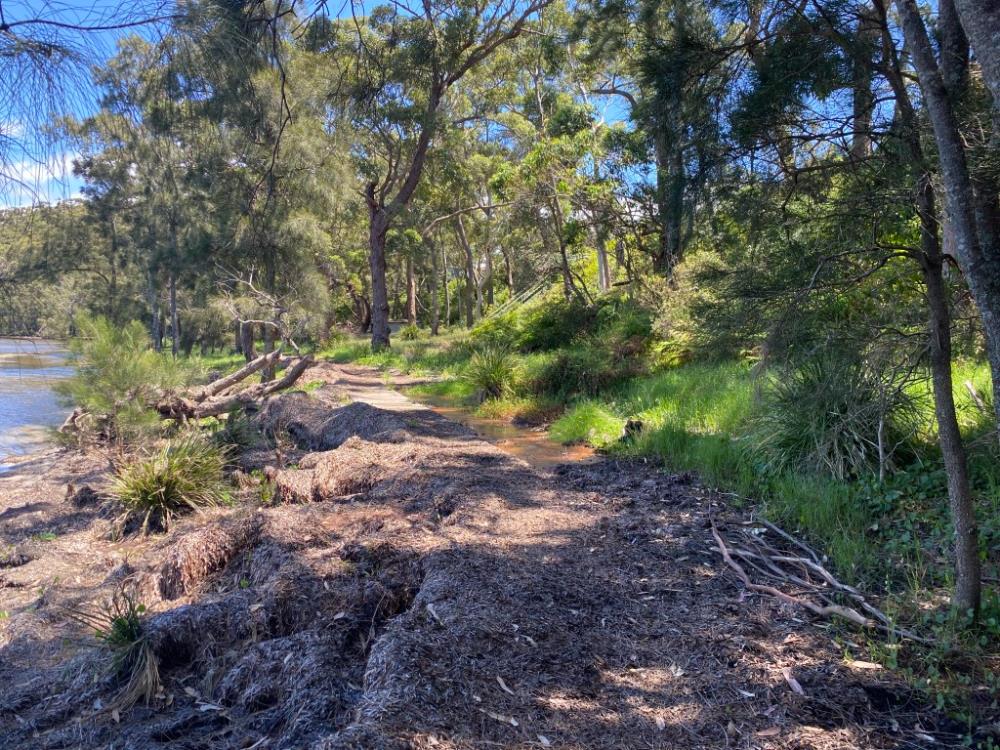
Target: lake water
28,405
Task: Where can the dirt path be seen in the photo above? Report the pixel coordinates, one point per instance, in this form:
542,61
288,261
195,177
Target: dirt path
416,587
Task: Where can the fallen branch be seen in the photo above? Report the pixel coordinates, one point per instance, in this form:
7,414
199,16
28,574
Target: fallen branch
823,611
221,385
215,398
224,404
768,562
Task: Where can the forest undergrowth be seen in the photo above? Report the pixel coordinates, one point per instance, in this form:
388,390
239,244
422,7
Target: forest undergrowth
605,381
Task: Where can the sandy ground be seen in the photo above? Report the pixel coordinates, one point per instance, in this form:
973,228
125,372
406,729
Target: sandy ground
410,585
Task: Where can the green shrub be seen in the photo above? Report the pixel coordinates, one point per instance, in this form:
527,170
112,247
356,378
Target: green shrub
492,371
185,474
502,331
409,333
118,374
588,422
585,370
553,325
237,430
834,414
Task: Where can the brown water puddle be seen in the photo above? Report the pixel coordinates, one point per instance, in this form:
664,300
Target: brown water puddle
530,445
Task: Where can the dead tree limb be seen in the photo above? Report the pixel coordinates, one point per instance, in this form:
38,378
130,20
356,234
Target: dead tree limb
769,561
215,399
221,385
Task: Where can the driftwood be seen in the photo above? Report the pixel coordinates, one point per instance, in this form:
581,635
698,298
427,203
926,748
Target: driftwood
218,396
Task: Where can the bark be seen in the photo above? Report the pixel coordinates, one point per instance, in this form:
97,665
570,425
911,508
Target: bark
508,270
981,22
932,259
380,293
381,214
153,297
967,592
447,291
470,271
603,272
174,327
980,265
187,406
862,95
670,183
411,292
269,330
112,308
954,48
435,302
488,279
247,340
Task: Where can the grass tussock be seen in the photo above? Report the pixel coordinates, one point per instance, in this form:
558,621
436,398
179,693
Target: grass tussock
492,371
834,415
119,626
185,474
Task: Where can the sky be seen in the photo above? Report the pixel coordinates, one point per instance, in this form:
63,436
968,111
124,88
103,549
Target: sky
35,167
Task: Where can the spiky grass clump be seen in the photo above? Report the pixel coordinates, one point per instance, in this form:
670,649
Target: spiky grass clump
119,626
184,475
492,371
834,415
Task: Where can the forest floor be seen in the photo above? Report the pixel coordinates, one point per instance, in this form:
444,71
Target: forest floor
410,585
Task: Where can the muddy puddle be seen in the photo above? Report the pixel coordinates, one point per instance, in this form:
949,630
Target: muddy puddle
530,445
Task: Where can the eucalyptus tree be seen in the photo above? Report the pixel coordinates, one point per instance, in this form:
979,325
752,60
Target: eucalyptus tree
968,152
876,185
670,63
408,59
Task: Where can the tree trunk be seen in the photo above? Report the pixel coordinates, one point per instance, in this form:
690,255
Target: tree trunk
954,48
435,303
488,280
862,73
153,297
247,341
508,271
174,328
981,265
981,21
447,291
411,292
380,293
670,183
268,331
967,573
470,272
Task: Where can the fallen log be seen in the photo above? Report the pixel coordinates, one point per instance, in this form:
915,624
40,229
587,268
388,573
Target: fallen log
217,387
214,399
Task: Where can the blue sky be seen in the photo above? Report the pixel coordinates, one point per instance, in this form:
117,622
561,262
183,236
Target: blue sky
33,166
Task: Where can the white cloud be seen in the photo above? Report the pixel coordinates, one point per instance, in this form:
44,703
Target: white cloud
25,182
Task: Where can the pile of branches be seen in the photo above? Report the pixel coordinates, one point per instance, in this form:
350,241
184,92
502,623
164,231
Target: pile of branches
759,553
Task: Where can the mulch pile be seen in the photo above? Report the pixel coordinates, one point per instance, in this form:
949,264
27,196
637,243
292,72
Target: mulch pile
415,587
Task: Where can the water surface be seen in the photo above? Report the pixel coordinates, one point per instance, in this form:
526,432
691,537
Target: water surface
28,405
531,445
